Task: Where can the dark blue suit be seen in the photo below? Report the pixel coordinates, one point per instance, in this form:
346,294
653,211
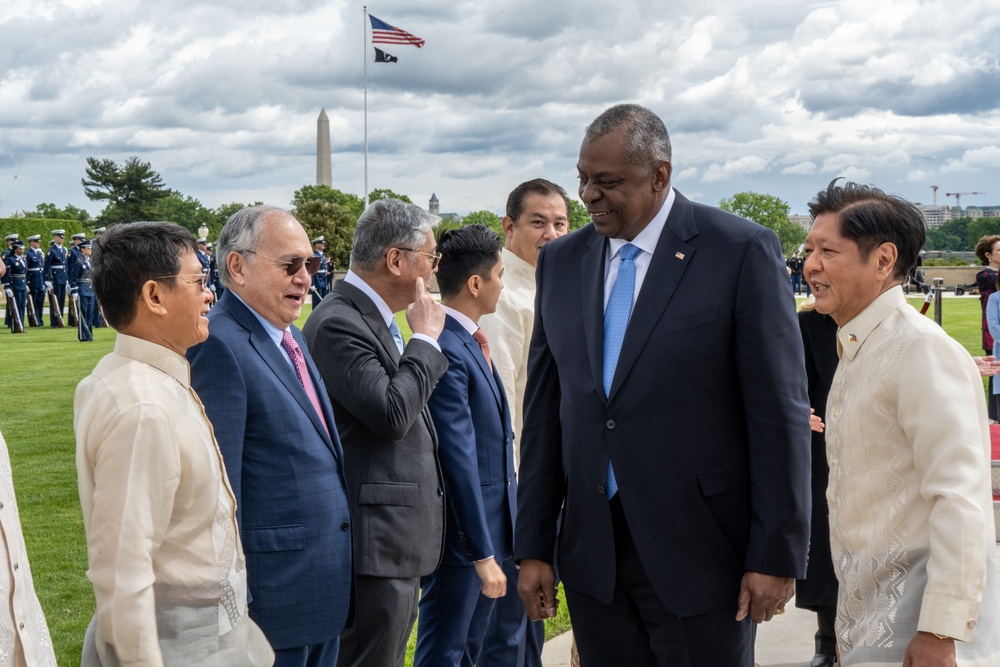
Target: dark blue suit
287,473
80,284
320,279
472,420
57,274
16,280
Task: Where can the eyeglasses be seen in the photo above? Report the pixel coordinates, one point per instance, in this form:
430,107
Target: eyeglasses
435,258
202,277
294,266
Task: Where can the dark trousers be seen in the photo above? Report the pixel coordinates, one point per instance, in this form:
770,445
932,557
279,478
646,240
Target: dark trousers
38,301
86,318
826,634
59,291
512,640
638,630
991,399
385,611
320,655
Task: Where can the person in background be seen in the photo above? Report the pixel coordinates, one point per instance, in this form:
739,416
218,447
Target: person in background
988,252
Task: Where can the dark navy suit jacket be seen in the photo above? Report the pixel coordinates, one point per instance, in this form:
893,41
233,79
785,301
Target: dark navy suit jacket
706,421
472,420
287,473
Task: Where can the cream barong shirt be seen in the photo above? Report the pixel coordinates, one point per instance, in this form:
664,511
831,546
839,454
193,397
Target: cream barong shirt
910,498
163,546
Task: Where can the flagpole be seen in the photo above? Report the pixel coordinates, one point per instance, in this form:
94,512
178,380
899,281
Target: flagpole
364,27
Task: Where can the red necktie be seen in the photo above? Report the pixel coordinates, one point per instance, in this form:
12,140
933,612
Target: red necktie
484,345
291,348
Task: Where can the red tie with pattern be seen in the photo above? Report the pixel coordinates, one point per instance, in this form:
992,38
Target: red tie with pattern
484,345
291,348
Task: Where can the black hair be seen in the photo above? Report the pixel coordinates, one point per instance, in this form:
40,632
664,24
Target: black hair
870,217
467,251
129,255
537,186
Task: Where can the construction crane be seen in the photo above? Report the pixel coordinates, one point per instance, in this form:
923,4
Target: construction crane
958,196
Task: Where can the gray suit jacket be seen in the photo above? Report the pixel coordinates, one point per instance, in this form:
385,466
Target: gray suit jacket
390,446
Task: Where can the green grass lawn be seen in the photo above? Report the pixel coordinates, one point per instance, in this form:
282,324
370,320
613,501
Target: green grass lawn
39,372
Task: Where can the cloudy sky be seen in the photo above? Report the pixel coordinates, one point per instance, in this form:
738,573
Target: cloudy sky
774,96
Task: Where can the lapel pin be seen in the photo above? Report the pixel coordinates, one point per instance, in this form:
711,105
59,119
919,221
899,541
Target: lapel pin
679,255
852,338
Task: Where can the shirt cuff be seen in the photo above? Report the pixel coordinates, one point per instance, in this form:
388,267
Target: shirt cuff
948,616
426,339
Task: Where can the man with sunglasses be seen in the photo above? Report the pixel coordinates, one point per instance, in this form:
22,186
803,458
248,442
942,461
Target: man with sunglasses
277,434
380,388
165,559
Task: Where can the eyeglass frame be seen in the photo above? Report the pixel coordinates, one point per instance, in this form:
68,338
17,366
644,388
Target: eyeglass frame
205,279
290,267
435,258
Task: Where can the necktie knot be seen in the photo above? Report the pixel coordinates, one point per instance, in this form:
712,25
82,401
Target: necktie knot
628,252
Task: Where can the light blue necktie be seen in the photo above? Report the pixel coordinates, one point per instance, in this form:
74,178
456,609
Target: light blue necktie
396,334
616,317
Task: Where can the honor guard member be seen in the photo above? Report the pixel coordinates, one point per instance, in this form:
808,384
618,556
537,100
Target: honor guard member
74,254
56,275
94,242
214,283
15,286
202,254
10,238
35,259
82,291
320,279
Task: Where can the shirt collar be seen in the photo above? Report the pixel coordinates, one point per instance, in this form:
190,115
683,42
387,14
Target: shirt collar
155,355
273,332
515,264
462,319
383,308
646,239
853,335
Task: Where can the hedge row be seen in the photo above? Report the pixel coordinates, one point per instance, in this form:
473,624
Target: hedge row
25,227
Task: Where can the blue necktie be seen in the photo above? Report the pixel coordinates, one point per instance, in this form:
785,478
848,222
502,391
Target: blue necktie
396,334
616,317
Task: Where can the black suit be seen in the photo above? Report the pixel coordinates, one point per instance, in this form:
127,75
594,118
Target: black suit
706,423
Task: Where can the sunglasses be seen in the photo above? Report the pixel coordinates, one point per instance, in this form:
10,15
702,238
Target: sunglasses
294,266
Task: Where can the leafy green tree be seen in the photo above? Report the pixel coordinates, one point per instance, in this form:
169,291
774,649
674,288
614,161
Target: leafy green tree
959,229
981,227
382,193
768,211
353,203
334,222
488,218
223,213
131,190
187,212
578,215
52,212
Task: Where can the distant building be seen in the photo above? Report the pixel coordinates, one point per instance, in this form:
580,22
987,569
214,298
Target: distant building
935,216
803,221
433,207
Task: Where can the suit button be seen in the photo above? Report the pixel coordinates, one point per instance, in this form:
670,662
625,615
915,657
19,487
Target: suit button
508,480
610,424
440,492
344,526
601,489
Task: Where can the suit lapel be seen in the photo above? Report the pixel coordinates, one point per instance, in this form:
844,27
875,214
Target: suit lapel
592,270
668,264
371,316
477,353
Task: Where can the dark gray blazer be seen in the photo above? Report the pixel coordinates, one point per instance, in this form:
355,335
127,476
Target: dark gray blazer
390,447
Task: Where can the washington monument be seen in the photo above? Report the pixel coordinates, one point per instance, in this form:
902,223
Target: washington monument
324,174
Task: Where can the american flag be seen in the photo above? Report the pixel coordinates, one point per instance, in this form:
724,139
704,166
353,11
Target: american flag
383,33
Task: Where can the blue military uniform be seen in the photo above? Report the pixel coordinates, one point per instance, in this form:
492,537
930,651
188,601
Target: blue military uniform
15,283
98,319
56,275
10,238
213,275
320,279
35,259
81,286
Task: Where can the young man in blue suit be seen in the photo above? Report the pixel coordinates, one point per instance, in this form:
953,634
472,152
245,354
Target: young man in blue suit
275,427
472,419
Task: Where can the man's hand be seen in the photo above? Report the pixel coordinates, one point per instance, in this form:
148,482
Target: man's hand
425,315
815,421
9,292
926,650
987,366
761,595
48,285
536,584
493,578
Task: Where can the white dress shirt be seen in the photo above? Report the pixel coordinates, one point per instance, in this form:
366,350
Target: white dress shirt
383,308
646,241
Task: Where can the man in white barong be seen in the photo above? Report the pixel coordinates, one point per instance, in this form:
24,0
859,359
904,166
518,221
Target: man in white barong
911,523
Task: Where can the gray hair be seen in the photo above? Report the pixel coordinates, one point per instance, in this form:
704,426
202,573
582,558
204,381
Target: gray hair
385,224
646,140
240,234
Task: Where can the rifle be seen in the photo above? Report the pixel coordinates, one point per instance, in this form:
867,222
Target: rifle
16,325
73,314
313,290
104,320
54,308
82,327
33,318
